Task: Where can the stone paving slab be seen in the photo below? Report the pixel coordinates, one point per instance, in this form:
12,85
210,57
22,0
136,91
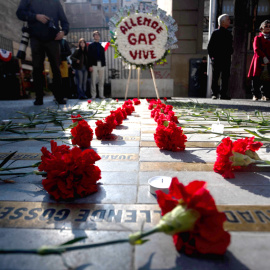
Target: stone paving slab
35,193
101,258
124,186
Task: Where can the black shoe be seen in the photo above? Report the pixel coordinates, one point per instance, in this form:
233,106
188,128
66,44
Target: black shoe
38,102
225,97
60,101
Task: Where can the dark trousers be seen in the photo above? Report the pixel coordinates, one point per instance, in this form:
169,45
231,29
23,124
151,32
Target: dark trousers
220,69
52,50
261,86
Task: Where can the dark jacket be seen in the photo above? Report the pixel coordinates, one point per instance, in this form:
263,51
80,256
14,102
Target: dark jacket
79,55
93,54
220,45
28,9
65,50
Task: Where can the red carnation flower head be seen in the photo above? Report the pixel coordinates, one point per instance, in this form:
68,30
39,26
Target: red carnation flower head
154,111
76,118
170,138
128,108
103,129
223,164
70,173
128,102
136,101
89,101
245,144
165,99
116,100
168,108
234,155
124,113
82,134
119,117
161,119
171,117
199,226
111,120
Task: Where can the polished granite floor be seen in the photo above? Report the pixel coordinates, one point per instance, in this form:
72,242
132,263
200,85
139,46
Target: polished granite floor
29,217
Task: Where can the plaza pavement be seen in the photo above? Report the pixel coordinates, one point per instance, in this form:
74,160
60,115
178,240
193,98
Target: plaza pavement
30,218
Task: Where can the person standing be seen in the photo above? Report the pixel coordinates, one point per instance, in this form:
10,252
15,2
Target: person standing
80,64
97,63
261,58
220,50
65,52
43,19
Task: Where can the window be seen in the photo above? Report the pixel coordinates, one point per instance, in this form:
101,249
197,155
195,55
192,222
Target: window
263,8
94,8
114,8
106,9
105,1
113,1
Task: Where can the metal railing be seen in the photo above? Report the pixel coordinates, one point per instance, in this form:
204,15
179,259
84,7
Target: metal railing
6,44
115,68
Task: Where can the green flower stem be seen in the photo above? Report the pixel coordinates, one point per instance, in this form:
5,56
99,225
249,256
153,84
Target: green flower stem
24,174
49,250
22,167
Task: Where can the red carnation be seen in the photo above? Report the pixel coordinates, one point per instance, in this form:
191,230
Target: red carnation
223,164
124,113
89,101
233,155
70,173
170,138
171,117
245,144
165,99
76,118
168,108
119,117
103,129
116,100
82,134
128,108
207,235
111,120
136,101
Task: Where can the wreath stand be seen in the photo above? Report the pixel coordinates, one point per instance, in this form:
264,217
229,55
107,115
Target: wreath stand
139,73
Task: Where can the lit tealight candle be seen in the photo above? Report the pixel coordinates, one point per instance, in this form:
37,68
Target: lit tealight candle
4,122
159,183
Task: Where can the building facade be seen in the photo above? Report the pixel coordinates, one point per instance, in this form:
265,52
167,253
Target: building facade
85,13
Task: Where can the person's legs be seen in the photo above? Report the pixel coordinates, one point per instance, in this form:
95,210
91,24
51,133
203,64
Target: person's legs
225,76
79,76
256,86
85,76
53,52
265,89
215,77
101,73
38,57
93,81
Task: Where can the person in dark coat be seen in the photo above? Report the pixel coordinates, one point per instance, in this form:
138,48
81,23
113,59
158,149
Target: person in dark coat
80,60
97,63
43,19
220,50
261,58
65,52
